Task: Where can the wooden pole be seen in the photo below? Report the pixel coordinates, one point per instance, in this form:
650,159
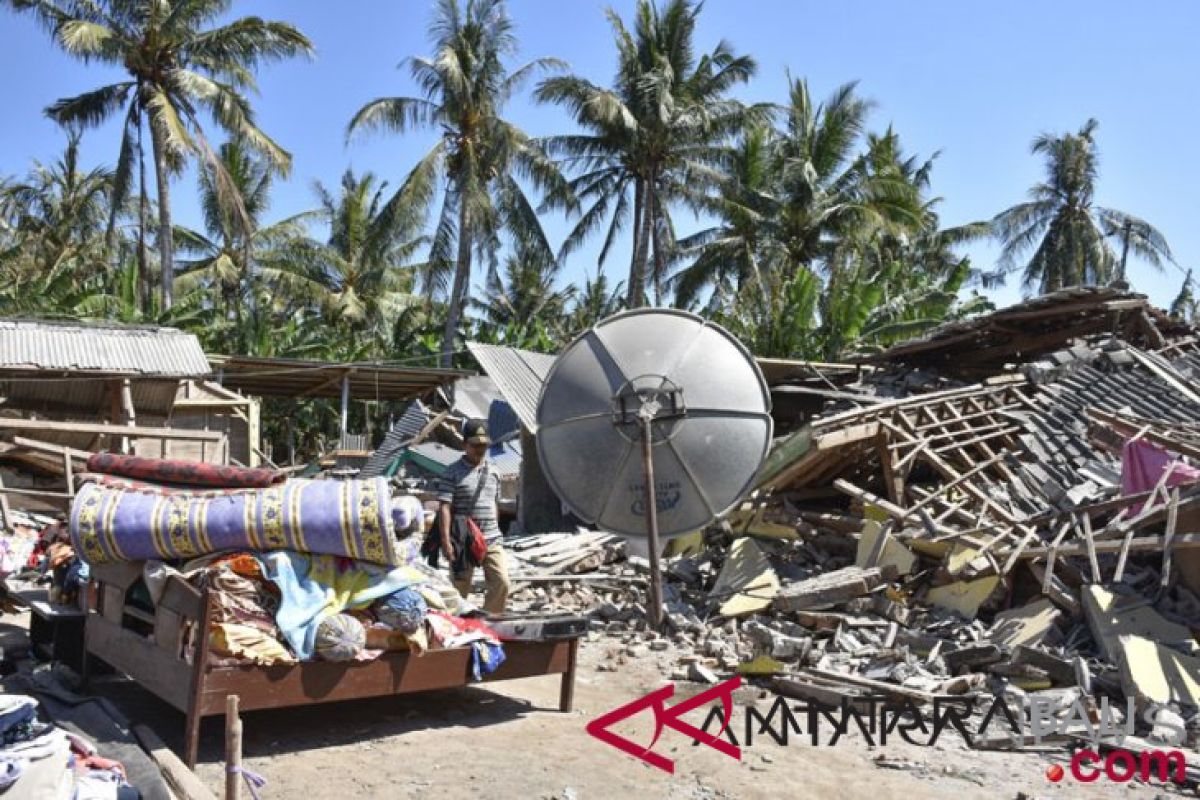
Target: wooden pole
233,749
656,609
345,402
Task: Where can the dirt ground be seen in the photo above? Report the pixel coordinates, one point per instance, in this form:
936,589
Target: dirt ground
508,740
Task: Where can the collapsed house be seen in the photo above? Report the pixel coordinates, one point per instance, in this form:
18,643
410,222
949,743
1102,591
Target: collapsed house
72,389
1008,504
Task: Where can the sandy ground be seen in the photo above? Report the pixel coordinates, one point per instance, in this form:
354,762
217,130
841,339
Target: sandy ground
507,740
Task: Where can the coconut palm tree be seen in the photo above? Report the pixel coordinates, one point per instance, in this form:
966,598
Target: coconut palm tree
1066,231
239,259
365,270
731,252
57,214
652,137
524,303
480,157
181,63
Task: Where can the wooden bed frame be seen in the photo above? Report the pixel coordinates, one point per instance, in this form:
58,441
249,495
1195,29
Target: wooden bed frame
159,660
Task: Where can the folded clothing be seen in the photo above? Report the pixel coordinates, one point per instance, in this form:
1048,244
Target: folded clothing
487,653
403,610
246,643
181,472
315,587
15,710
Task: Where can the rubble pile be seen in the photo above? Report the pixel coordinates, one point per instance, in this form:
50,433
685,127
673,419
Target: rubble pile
1018,519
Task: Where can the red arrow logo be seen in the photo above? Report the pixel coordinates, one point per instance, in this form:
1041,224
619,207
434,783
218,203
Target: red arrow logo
665,717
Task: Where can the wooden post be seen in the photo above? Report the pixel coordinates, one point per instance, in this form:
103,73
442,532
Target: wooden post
69,472
4,510
128,411
345,402
233,749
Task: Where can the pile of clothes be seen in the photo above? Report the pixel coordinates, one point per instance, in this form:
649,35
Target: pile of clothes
281,607
297,570
44,556
39,761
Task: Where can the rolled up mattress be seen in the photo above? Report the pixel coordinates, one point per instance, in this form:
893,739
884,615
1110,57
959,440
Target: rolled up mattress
341,518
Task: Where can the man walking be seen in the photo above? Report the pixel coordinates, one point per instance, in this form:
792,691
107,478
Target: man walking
470,488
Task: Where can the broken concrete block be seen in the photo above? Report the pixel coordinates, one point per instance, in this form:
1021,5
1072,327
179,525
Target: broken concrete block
760,665
1061,671
701,674
747,582
1110,616
979,655
830,588
890,551
1158,674
963,597
1032,624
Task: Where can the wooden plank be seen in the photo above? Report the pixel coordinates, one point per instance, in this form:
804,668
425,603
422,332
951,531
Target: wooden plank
1049,576
1090,545
1168,538
1139,544
183,782
281,686
100,428
138,657
50,448
892,479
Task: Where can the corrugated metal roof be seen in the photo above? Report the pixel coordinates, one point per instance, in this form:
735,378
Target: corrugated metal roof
293,377
506,457
432,456
519,375
411,422
473,396
44,345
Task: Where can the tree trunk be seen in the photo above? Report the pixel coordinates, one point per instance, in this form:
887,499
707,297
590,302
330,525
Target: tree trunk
166,243
143,278
462,276
660,263
636,292
1126,231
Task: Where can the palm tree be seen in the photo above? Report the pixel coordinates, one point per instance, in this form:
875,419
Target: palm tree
238,258
595,301
524,305
364,271
480,155
730,253
179,65
1066,231
57,214
652,138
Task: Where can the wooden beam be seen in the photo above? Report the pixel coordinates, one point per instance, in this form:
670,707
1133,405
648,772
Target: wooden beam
1139,544
51,449
325,384
101,428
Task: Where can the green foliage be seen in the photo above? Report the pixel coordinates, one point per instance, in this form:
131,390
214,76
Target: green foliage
651,140
180,65
825,240
1059,237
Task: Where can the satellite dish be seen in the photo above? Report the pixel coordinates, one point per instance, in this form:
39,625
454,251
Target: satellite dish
686,381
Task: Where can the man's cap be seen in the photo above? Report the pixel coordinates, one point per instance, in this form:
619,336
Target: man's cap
476,431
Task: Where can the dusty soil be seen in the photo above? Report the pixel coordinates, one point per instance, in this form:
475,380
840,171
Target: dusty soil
507,740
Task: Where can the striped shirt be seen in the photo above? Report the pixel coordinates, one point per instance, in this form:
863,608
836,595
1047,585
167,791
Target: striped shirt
457,486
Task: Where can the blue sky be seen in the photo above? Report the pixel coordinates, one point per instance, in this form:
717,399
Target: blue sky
975,81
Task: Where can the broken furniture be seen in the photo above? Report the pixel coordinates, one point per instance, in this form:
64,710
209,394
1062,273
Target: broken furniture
167,653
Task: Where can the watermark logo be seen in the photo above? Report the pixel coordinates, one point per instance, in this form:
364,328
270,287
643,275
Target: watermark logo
669,717
877,719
